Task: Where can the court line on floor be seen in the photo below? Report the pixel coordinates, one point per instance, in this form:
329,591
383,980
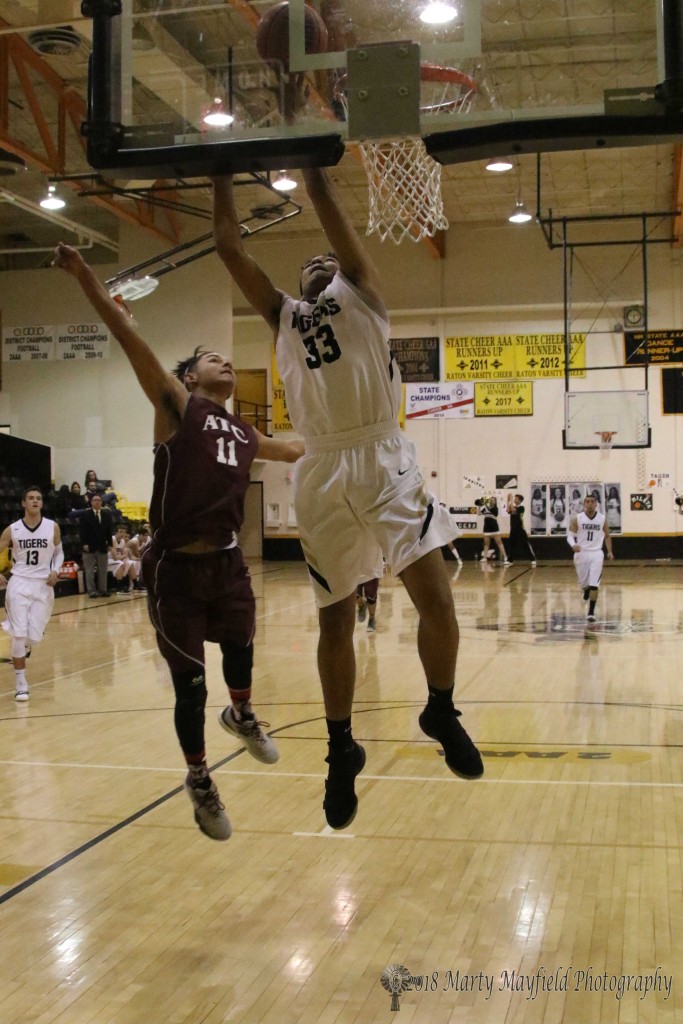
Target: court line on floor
217,766
263,774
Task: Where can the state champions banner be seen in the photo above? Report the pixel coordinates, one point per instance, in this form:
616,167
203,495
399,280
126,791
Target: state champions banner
511,356
440,401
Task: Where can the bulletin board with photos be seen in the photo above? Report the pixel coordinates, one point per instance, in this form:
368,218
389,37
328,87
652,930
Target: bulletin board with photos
552,505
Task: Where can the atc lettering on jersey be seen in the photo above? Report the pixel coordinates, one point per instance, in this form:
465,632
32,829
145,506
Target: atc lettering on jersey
33,542
304,322
218,423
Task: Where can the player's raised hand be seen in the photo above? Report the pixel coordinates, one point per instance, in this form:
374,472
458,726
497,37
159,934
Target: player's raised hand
67,258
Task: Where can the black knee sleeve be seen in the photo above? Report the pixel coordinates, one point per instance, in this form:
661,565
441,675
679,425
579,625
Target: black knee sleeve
190,701
238,663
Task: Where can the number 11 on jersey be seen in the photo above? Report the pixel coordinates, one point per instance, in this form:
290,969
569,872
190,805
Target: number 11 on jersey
220,457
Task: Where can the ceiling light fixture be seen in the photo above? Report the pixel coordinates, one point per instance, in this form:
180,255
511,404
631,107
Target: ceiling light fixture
217,116
10,163
438,13
54,42
132,288
520,214
51,200
141,41
283,183
499,166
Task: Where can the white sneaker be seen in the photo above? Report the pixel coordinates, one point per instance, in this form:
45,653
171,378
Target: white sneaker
506,561
22,692
533,565
590,618
209,812
249,731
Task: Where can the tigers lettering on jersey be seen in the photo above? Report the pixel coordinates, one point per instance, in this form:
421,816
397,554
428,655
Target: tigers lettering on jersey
591,532
304,322
32,548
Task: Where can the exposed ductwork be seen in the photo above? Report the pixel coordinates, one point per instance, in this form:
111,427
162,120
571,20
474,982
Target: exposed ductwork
55,40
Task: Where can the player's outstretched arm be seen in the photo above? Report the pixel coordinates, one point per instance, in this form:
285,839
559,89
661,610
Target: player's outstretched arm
343,237
165,392
275,449
244,270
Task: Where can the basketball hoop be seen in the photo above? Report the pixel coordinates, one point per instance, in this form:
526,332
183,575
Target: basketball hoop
606,437
404,182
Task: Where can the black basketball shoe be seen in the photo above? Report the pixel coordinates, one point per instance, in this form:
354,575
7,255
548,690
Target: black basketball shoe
462,757
341,803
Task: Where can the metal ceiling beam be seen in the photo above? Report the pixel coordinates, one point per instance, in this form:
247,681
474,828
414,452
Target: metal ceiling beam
677,196
71,111
22,203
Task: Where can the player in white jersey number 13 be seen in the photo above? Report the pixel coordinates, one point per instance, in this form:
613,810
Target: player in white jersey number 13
588,531
37,556
358,492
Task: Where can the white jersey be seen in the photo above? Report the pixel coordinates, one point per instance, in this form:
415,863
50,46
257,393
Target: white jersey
32,549
336,364
590,534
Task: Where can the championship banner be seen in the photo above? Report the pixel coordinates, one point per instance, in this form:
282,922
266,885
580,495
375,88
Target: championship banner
439,401
480,357
27,344
542,355
279,413
512,356
82,341
500,398
417,358
662,347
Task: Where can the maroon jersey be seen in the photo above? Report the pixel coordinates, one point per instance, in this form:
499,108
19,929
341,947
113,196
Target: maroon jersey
201,476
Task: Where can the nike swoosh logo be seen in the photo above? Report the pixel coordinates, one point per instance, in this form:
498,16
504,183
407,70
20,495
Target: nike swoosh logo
402,471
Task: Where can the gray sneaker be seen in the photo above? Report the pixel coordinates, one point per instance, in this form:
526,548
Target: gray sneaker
361,610
22,692
249,731
209,812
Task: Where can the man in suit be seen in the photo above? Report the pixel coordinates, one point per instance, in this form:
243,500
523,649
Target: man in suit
96,528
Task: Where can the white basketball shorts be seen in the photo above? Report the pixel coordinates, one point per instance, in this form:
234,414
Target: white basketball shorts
588,565
361,504
28,606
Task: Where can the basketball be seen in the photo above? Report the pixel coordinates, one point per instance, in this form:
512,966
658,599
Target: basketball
272,33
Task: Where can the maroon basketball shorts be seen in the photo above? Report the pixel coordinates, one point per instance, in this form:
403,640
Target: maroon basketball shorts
194,598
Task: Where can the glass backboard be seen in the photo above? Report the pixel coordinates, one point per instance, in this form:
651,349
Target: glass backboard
474,77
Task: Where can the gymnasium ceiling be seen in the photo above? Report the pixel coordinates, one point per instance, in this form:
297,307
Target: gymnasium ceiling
535,45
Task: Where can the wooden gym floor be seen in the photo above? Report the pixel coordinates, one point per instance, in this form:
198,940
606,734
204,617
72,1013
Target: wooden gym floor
560,868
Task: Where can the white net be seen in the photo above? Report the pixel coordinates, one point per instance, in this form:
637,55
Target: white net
404,182
404,190
606,438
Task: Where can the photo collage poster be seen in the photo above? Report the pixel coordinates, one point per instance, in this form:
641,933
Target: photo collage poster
552,505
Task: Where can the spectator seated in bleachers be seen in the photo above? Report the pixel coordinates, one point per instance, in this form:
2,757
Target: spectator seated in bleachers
78,502
120,565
